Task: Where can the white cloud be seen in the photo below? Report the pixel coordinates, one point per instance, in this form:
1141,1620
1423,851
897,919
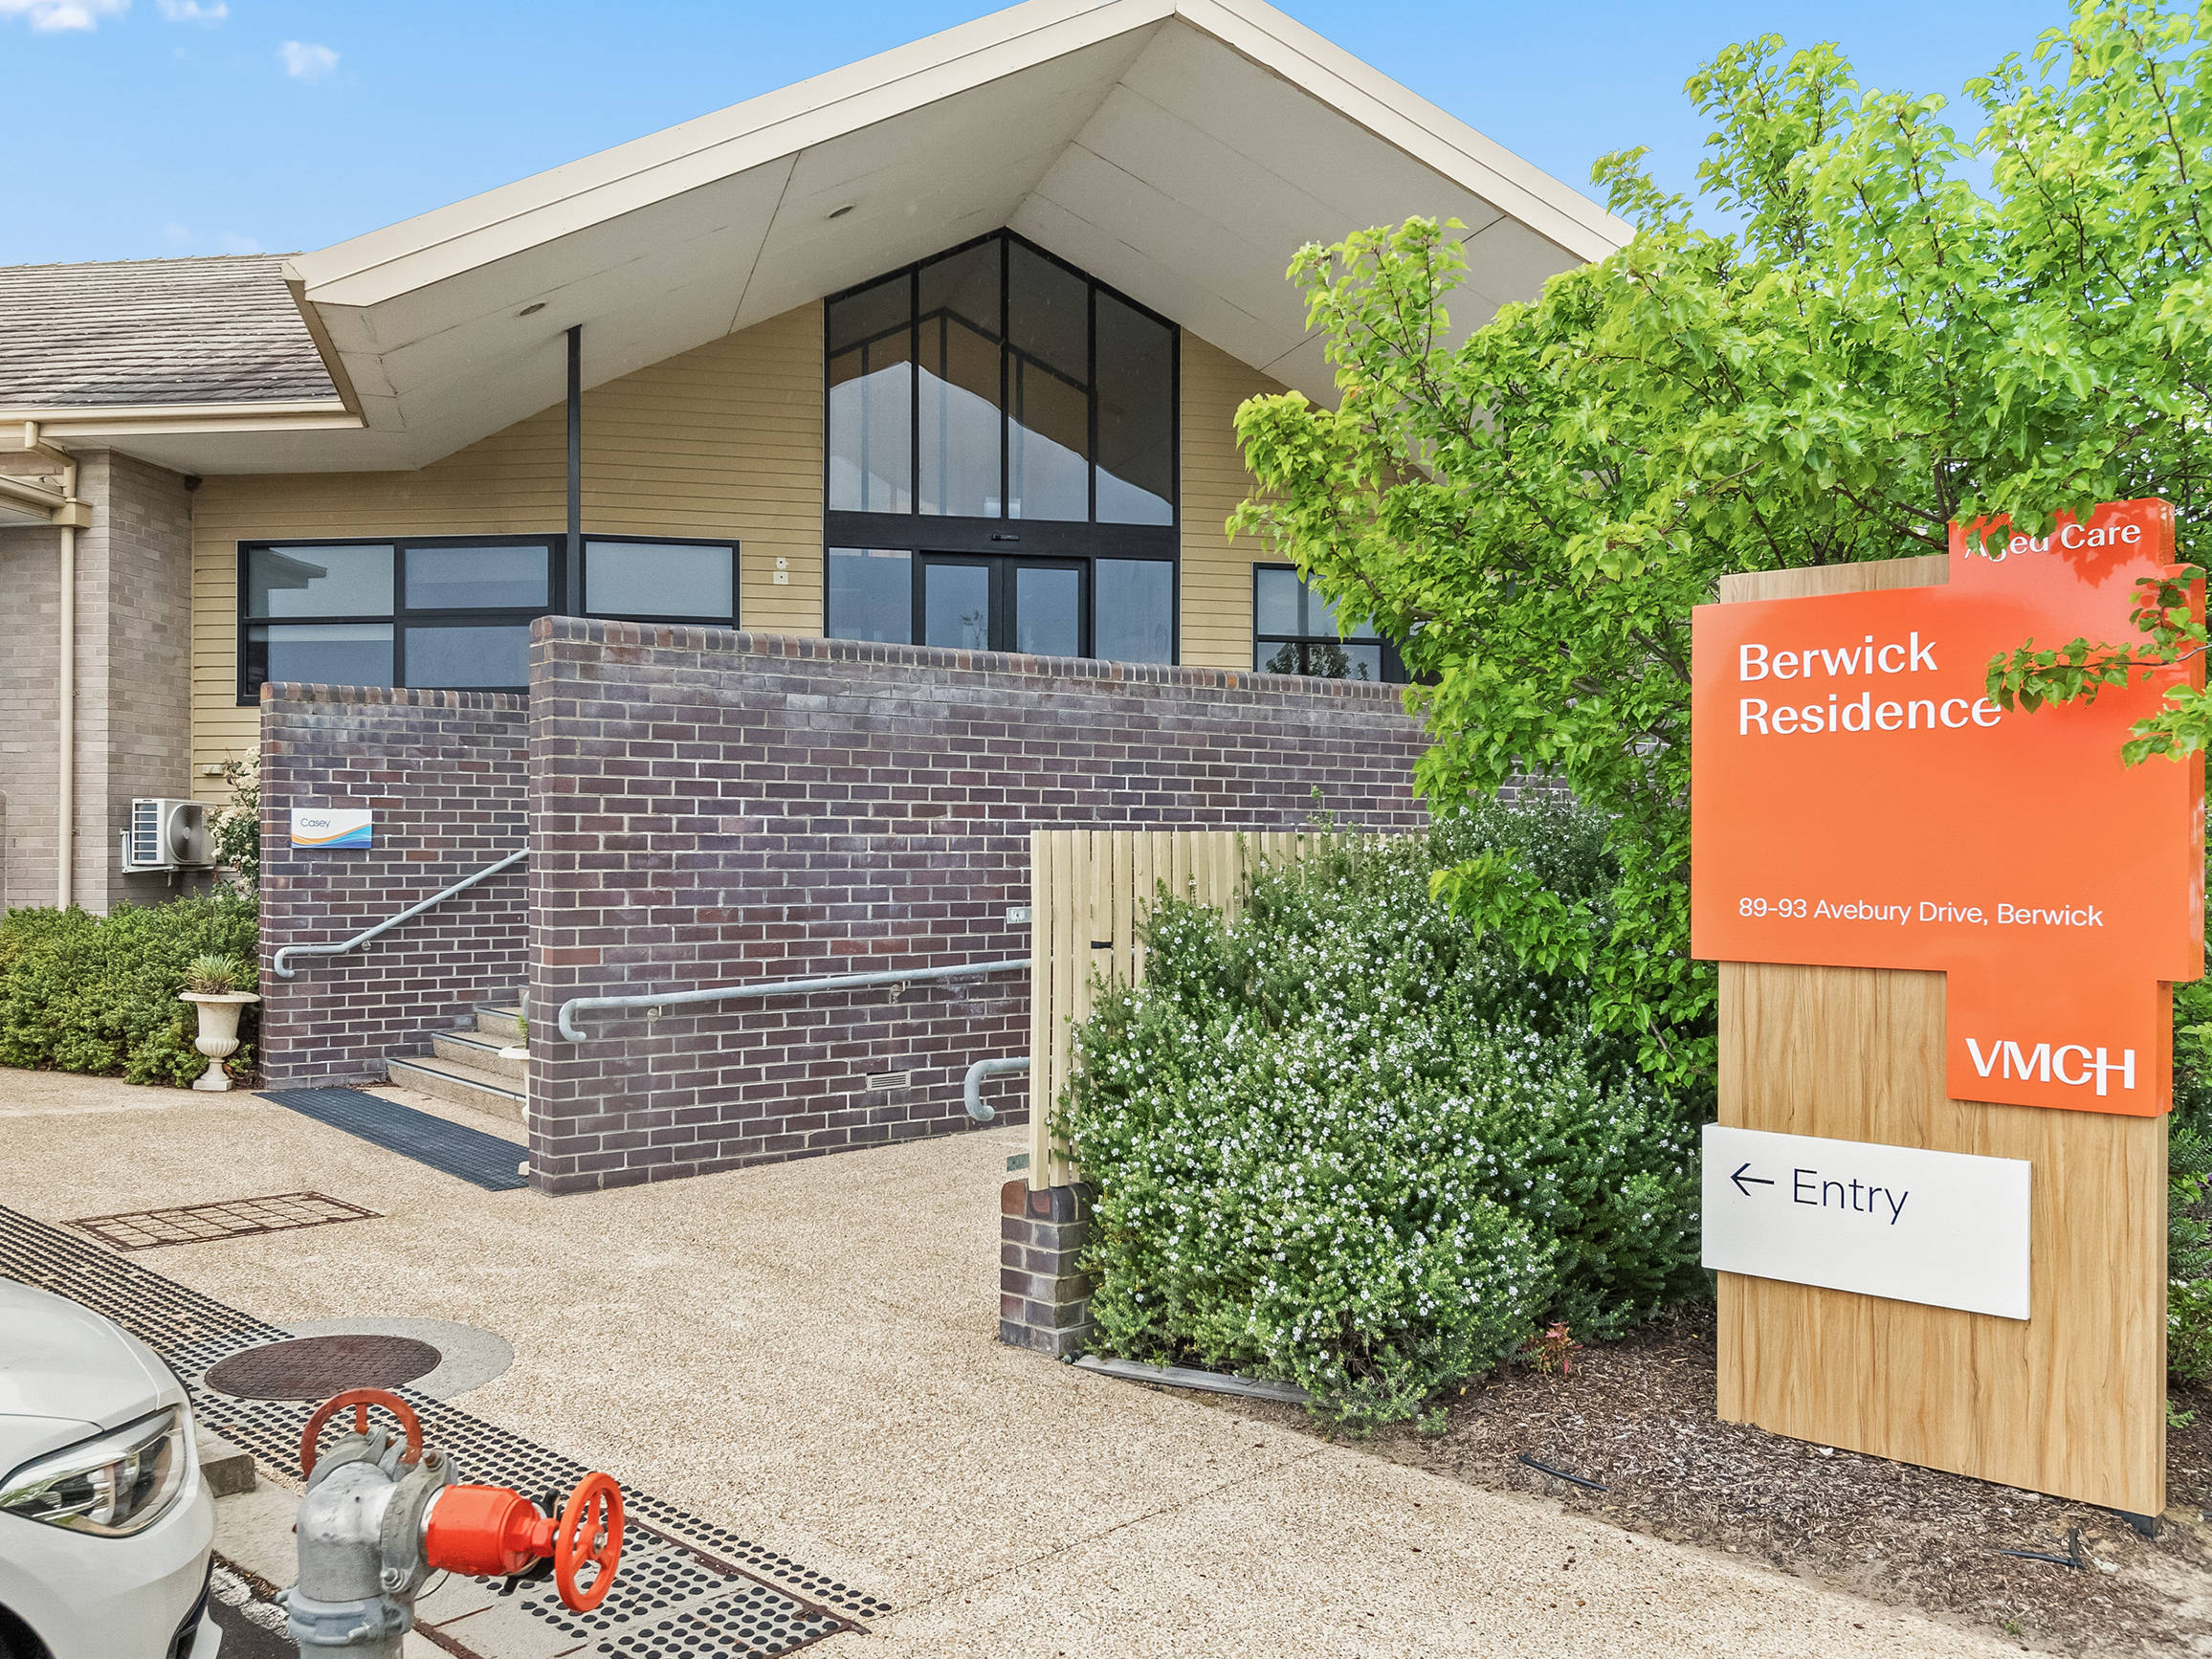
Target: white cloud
234,243
193,12
50,16
176,236
302,61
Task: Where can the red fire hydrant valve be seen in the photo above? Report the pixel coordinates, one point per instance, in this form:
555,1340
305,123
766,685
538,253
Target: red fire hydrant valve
491,1531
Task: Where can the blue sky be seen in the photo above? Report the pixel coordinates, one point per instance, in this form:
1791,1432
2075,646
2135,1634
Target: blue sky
152,128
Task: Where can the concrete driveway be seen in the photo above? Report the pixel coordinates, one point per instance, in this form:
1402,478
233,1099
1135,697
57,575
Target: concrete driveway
807,1353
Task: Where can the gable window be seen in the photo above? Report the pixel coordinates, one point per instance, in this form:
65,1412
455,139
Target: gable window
1295,631
453,612
1001,459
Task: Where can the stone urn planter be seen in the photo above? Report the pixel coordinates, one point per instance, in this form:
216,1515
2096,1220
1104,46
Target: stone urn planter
218,1037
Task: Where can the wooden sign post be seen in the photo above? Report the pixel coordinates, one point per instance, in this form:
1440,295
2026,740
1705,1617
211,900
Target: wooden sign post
1948,928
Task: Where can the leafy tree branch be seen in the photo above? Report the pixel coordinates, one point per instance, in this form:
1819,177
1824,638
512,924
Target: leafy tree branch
1533,513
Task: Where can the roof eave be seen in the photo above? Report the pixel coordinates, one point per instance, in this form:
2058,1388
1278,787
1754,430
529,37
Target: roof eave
370,270
385,264
68,423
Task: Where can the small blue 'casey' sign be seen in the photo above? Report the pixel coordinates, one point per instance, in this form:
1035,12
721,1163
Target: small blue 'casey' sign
321,826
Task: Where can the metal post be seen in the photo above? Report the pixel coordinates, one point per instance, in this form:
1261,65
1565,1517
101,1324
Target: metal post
575,561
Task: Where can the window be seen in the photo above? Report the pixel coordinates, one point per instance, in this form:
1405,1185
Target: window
1295,631
871,594
453,612
1001,459
1135,602
660,581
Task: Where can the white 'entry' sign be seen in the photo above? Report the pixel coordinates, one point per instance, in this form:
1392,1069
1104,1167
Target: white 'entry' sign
1946,1229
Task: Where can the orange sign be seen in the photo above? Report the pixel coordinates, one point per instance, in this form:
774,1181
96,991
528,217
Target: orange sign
1857,802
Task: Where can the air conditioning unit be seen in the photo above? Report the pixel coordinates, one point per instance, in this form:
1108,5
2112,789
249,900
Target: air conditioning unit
167,835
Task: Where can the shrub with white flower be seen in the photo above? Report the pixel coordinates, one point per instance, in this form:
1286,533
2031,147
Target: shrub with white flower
1347,1143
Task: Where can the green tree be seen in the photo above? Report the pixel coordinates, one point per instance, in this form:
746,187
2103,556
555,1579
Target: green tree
1879,349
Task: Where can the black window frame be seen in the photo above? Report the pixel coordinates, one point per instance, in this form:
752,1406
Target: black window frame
1392,663
402,616
1005,537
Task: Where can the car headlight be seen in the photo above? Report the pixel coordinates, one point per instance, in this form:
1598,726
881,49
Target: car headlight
116,1484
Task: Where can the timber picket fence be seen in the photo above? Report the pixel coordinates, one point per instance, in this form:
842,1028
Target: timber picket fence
1088,891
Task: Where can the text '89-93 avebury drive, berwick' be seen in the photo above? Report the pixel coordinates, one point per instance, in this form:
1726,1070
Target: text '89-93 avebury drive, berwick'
1859,802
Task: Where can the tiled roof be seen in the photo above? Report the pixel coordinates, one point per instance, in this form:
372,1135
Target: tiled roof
154,331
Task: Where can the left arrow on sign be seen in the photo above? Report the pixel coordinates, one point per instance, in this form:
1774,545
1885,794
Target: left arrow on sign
1739,1177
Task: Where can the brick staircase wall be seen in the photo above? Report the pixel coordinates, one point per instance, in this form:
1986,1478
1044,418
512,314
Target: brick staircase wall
444,774
709,807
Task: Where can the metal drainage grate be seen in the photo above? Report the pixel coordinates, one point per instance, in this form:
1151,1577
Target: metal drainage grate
146,1229
314,1368
675,1606
653,1603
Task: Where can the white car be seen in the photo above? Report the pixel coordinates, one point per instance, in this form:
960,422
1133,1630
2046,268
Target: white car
105,1526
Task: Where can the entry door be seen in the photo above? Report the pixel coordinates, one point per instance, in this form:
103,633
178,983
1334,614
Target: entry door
968,603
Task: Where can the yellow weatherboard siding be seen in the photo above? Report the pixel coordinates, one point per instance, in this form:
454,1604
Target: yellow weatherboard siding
1217,573
723,441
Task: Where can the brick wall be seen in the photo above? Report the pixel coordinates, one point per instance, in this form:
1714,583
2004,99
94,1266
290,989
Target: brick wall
444,774
133,724
709,807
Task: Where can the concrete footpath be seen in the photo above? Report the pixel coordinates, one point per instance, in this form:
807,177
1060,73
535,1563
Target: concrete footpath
807,1354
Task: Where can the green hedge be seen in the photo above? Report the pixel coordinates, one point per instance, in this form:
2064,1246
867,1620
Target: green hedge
98,994
1349,1144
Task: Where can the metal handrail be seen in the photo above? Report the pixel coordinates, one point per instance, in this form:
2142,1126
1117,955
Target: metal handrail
780,989
971,1086
363,938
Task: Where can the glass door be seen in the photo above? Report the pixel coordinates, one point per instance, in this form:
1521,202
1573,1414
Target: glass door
968,603
1048,609
955,603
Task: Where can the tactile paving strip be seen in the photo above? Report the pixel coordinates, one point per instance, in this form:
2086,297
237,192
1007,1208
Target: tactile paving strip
684,1588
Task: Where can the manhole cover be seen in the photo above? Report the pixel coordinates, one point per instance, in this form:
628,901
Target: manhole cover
317,1367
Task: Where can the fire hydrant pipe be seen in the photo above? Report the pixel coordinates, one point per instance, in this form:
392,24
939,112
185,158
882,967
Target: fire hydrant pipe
971,1089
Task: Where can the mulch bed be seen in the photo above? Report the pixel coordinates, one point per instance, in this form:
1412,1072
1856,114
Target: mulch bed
1637,1416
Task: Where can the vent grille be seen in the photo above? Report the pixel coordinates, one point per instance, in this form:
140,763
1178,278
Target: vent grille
146,833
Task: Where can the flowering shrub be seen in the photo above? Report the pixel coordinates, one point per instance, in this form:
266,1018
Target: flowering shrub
236,824
1347,1143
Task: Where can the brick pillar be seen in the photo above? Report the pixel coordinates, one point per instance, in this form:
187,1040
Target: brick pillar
1044,1302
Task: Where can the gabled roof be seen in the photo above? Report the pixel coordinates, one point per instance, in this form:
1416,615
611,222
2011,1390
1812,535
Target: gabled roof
130,334
1180,150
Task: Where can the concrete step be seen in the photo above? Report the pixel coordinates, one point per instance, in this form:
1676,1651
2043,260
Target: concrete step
503,1020
474,1049
461,1083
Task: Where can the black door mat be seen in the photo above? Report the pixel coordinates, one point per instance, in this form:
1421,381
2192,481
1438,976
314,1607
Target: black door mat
468,1154
684,1588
